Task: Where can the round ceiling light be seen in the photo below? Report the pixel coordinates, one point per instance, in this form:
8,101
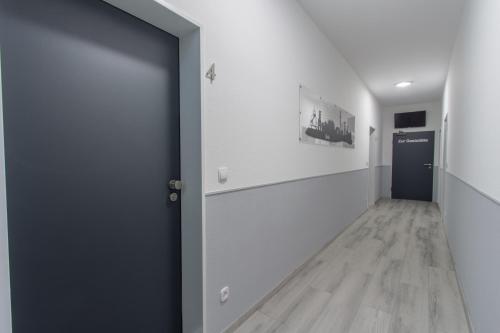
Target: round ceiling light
403,84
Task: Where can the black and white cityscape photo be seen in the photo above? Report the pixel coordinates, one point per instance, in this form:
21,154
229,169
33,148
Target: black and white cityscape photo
325,123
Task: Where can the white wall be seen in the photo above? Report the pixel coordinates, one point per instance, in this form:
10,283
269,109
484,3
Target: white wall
472,103
434,111
263,50
472,100
5,318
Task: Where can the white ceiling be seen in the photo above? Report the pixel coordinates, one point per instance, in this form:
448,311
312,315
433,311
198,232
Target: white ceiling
388,41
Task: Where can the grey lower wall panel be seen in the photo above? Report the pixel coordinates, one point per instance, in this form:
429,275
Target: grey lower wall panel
473,225
435,184
386,179
378,182
255,238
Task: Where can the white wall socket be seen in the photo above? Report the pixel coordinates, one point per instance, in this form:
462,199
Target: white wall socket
224,294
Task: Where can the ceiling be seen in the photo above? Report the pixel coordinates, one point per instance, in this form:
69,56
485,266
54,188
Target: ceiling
388,41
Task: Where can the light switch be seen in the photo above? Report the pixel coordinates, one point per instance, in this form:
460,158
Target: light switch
223,173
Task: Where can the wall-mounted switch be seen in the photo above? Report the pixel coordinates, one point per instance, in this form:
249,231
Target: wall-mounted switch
224,294
223,173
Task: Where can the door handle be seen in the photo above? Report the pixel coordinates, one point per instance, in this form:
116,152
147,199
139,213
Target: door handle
175,185
429,165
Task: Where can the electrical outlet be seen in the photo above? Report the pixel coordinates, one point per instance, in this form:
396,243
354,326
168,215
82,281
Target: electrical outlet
224,294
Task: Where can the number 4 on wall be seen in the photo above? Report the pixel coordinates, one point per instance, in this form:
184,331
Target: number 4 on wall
211,73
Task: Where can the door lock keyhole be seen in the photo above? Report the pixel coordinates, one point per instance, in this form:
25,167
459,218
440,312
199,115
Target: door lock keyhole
174,185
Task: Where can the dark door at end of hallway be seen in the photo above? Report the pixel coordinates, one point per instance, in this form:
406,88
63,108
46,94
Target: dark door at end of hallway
413,165
91,109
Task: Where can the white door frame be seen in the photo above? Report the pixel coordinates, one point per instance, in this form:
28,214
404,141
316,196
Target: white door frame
371,166
5,309
444,168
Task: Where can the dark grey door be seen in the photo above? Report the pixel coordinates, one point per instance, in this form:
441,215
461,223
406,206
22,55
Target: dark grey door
91,110
413,166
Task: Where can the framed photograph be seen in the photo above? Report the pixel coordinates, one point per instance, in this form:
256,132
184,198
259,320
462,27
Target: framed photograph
324,123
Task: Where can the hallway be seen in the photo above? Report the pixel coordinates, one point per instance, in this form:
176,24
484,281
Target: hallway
172,166
391,271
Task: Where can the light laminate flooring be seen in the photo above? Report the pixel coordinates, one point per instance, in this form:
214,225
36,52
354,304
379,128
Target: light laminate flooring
390,271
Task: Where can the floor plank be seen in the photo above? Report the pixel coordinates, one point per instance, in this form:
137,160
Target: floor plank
382,291
259,323
342,308
302,314
445,305
370,320
411,314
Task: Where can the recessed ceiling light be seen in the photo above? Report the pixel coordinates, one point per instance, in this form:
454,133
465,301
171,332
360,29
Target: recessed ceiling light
404,84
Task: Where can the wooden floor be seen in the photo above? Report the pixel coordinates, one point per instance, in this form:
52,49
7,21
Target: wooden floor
391,271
